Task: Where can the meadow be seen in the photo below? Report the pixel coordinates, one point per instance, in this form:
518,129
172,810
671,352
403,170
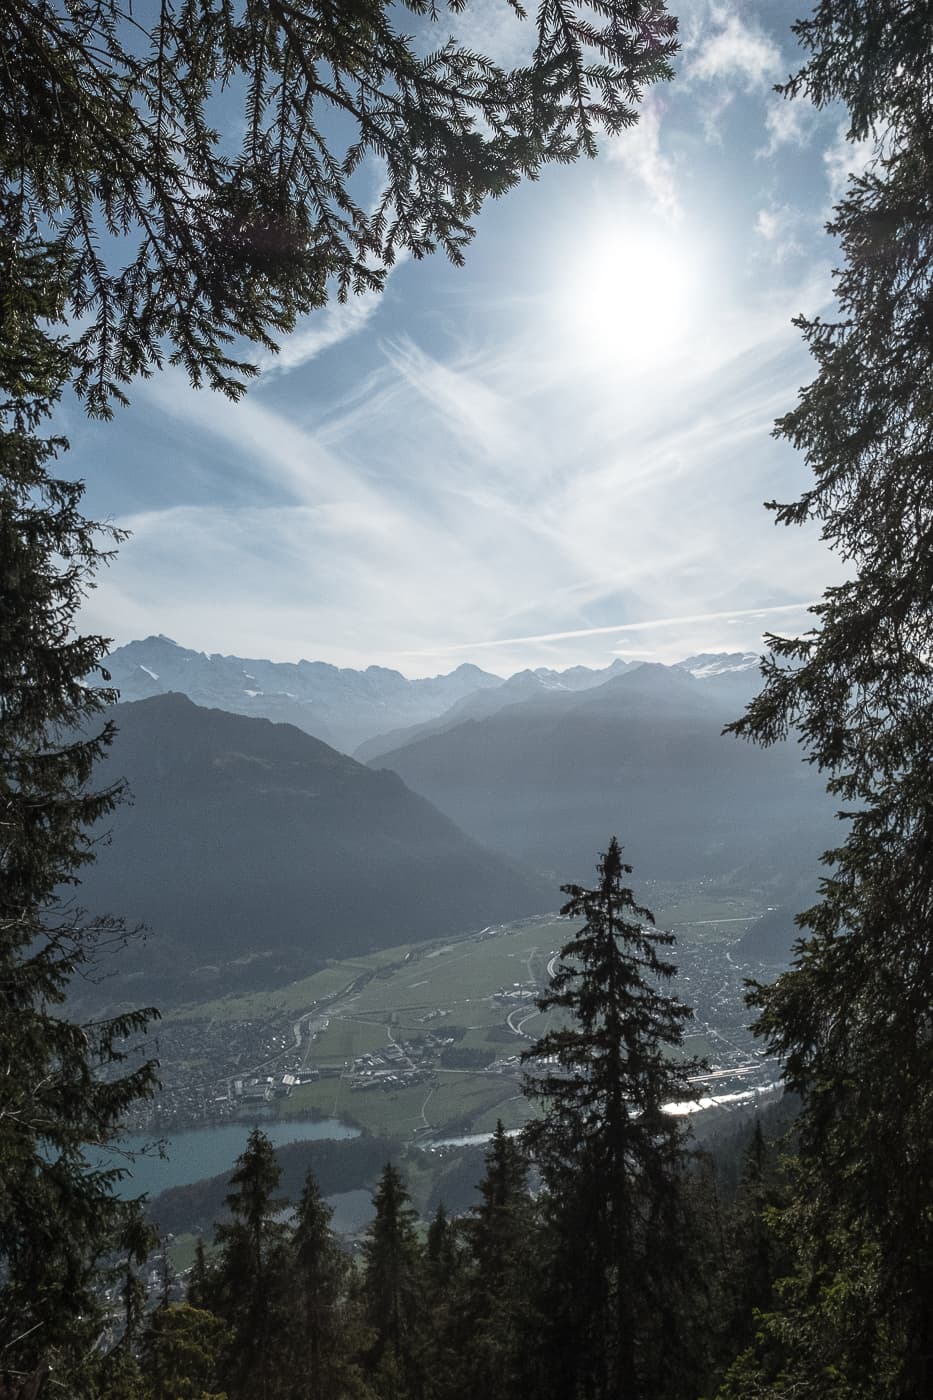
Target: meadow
429,1005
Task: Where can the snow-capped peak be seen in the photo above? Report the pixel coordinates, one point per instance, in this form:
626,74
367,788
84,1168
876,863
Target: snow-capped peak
720,663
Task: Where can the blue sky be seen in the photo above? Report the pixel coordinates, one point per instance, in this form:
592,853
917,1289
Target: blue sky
555,455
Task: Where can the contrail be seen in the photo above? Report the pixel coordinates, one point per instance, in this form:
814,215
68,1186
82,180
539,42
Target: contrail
621,627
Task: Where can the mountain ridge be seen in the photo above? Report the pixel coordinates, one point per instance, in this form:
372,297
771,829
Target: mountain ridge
246,838
548,780
360,712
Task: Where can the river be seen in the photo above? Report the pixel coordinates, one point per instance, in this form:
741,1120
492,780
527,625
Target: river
200,1152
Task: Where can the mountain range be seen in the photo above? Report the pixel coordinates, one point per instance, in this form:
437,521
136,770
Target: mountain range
254,852
358,712
339,706
548,780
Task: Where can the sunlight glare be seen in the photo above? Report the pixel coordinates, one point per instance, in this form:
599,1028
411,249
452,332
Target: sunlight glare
630,298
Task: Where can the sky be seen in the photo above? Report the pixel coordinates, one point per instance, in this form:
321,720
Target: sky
555,455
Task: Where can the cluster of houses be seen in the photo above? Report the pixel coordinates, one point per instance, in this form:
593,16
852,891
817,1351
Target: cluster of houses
396,1066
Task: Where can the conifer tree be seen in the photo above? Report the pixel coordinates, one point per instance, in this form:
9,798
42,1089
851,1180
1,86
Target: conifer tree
323,1326
756,1268
247,1285
441,1250
64,1086
609,1156
497,1326
198,1283
393,1292
181,1353
852,1018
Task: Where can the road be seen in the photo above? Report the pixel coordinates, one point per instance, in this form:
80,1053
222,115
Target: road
525,1015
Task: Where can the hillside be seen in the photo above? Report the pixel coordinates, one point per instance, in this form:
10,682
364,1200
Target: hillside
253,852
547,781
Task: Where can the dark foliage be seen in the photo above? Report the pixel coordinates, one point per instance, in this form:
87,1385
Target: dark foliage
64,1086
853,1017
611,1159
176,243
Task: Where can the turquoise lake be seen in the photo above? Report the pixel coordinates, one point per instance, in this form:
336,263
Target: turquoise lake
200,1152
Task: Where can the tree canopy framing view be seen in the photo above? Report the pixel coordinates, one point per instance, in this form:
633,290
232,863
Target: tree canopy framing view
179,184
110,138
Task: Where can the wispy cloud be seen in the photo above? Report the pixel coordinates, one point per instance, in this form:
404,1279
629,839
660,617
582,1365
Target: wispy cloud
780,227
474,411
288,460
788,123
639,151
725,55
647,625
735,50
321,331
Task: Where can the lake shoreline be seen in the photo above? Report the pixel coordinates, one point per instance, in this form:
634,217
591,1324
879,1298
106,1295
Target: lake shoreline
153,1163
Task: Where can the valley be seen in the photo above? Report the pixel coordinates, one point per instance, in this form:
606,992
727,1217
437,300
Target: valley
423,1040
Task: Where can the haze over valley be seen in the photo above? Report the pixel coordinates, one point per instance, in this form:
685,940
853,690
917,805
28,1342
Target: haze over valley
285,852
366,940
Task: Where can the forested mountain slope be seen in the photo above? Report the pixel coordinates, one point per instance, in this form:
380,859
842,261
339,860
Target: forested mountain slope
251,838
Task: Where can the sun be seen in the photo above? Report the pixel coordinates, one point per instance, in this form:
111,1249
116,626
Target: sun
631,296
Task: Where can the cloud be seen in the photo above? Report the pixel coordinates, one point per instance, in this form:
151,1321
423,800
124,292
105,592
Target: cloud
759,615
779,226
475,411
843,158
491,28
320,331
285,457
788,122
736,50
638,150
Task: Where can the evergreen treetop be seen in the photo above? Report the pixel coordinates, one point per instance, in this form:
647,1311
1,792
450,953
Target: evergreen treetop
605,1070
610,1157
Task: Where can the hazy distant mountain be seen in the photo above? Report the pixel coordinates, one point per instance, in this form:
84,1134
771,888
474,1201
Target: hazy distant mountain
372,712
582,677
719,663
734,677
549,780
524,685
250,838
339,706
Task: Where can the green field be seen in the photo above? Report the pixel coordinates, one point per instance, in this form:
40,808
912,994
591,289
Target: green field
297,996
410,993
697,916
470,994
463,974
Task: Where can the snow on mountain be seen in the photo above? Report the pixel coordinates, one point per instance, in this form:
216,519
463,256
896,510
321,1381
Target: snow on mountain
342,707
719,663
359,710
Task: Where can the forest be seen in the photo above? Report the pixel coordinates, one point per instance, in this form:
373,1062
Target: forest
608,1255
604,1262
